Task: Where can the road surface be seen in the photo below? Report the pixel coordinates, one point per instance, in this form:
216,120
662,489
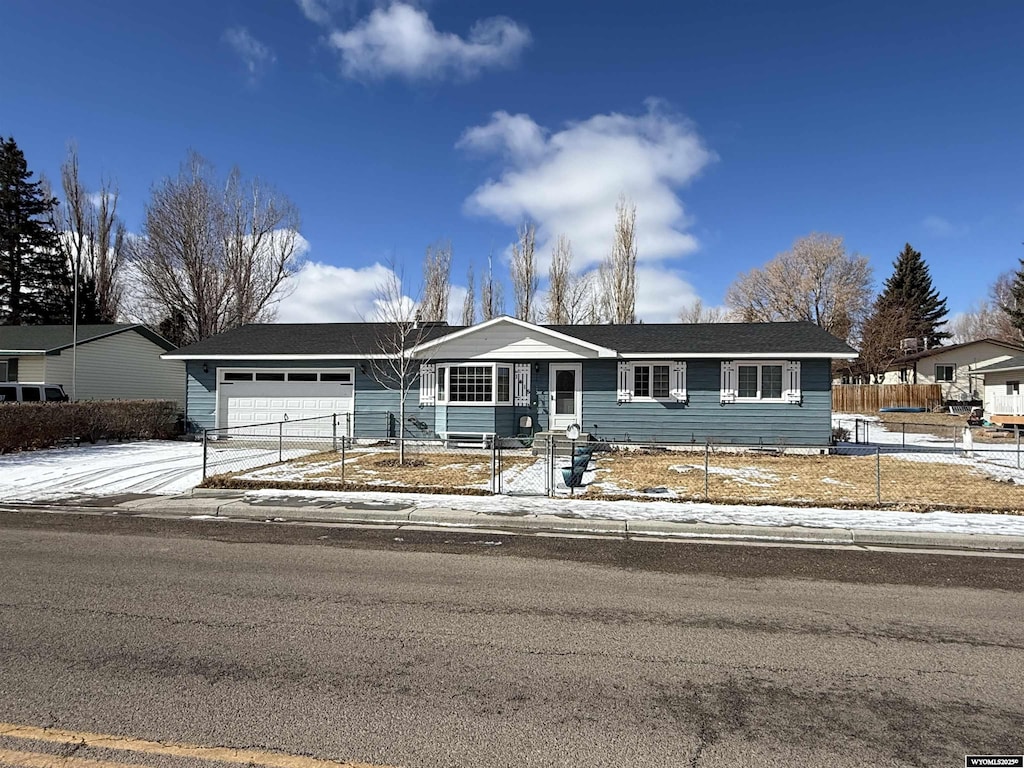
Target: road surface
160,643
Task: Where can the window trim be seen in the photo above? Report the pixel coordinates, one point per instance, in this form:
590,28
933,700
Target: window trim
224,371
650,365
443,386
952,375
677,385
759,364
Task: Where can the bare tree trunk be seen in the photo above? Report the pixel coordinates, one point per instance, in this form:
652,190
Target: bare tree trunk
559,279
492,299
524,272
437,267
617,275
469,303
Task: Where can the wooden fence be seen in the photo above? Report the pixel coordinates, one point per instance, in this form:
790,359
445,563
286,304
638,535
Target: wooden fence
868,398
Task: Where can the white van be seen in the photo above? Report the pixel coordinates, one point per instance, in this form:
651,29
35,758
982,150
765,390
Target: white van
18,392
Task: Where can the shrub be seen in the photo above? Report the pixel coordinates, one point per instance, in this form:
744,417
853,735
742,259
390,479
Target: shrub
840,435
27,426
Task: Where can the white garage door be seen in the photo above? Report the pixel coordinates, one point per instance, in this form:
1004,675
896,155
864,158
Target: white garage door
250,396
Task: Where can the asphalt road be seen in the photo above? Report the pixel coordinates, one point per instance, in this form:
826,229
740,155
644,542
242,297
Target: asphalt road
441,650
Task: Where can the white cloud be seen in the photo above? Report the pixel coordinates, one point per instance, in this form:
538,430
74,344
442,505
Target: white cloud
569,181
661,294
256,56
324,293
401,40
940,227
317,11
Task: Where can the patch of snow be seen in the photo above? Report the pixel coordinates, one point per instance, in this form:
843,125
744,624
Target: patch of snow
691,512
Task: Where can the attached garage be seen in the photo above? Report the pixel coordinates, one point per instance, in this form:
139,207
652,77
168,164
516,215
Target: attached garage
247,396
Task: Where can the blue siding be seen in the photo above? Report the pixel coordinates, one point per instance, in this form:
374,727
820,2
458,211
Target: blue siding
701,419
376,407
704,417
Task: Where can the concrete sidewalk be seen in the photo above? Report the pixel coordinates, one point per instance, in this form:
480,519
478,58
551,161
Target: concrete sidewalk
400,513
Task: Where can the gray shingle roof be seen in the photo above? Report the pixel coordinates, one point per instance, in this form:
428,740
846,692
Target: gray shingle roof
710,338
1012,364
303,339
27,339
669,338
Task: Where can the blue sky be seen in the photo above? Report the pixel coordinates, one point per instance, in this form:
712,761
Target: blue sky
735,126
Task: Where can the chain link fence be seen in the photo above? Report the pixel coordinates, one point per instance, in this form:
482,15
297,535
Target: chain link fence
936,471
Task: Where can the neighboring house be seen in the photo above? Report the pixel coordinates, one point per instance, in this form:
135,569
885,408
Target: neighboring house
741,383
1004,398
951,367
108,362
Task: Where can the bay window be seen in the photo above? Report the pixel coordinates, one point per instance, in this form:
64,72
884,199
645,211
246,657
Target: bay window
474,384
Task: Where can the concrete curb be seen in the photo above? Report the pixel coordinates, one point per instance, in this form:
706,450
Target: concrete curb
228,505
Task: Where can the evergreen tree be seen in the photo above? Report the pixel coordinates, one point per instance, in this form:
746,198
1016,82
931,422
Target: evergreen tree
909,293
1015,306
25,239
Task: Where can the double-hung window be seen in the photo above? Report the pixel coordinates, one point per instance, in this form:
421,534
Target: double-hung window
772,381
759,381
474,384
651,381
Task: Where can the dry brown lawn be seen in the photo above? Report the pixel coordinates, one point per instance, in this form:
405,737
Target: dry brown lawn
944,425
421,468
824,480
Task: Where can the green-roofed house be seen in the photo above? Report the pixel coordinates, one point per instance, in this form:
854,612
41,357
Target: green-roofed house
117,361
740,383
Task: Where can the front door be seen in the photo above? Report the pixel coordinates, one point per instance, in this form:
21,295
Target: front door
566,388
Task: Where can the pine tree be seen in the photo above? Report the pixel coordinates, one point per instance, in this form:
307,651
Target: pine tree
909,293
25,238
1015,306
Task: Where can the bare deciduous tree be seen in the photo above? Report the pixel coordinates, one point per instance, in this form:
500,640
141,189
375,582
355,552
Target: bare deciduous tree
214,255
569,294
523,272
91,238
883,333
492,297
816,280
469,303
437,287
394,362
617,274
987,319
697,312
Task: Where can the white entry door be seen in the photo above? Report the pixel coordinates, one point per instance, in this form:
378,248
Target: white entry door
566,388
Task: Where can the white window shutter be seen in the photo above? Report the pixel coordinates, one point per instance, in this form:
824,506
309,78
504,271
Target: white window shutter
522,385
679,381
792,393
728,391
428,384
625,388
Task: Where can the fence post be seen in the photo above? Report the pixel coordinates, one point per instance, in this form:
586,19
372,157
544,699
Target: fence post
343,441
707,454
1018,449
205,441
904,425
878,474
494,466
551,463
280,442
334,431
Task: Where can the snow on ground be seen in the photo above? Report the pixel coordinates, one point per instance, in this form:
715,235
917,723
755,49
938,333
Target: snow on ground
1001,462
152,466
169,467
721,514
